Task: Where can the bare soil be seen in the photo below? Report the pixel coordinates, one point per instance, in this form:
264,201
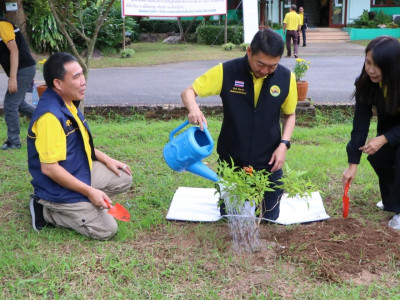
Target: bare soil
334,251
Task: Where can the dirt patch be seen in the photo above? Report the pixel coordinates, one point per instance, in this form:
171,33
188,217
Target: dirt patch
340,249
336,250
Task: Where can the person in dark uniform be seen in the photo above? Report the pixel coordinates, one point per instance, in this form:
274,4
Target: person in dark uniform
304,26
18,64
254,90
378,86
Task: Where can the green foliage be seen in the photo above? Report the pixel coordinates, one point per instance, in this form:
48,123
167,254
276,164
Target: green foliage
127,53
110,34
380,19
244,184
165,26
46,36
214,35
296,184
244,46
248,184
228,46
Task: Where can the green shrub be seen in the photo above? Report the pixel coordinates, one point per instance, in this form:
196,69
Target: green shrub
228,46
214,35
243,46
46,36
110,34
380,19
164,26
127,53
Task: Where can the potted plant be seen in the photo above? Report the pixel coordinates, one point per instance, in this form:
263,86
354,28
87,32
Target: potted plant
299,70
242,191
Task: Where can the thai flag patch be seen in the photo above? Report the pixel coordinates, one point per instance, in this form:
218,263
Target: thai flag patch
239,83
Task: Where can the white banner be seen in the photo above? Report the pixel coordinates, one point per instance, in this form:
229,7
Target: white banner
173,8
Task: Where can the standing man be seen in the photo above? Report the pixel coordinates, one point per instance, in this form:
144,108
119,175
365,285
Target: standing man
291,27
72,180
17,62
304,25
254,90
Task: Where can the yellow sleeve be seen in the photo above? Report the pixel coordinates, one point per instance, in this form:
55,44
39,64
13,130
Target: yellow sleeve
289,106
6,32
285,19
210,83
51,142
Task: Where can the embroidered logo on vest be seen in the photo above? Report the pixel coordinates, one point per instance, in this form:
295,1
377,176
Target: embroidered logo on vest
238,88
275,91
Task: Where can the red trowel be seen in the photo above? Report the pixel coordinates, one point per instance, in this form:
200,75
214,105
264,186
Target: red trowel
118,211
346,200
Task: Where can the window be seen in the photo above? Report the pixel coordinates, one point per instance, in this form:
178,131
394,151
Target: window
375,3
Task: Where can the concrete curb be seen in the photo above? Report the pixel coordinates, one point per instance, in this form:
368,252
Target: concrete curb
172,111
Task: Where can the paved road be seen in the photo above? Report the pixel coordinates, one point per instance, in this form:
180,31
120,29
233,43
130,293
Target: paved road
334,66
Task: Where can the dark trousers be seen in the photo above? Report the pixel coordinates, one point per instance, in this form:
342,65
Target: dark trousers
303,33
386,164
271,201
291,35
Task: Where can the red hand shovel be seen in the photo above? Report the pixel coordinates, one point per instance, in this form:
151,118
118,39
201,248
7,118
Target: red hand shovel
118,211
346,201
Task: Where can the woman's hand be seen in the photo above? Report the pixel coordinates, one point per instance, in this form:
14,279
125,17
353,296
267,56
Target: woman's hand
373,145
349,174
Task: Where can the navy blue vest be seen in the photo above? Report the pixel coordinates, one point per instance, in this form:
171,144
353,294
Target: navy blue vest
25,58
251,134
76,163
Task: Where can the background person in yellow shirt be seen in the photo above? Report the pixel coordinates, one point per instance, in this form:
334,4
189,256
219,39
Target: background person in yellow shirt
291,28
254,89
304,26
19,65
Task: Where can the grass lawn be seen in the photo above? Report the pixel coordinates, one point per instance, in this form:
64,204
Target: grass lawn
151,258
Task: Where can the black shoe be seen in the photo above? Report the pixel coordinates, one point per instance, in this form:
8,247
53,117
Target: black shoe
38,221
8,146
295,55
304,45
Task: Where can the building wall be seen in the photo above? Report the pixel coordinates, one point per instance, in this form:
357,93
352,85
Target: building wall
355,9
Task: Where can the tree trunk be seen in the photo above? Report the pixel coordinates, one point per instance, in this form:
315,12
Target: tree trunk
181,32
262,13
18,17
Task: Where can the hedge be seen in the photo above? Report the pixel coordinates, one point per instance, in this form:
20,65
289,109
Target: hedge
208,34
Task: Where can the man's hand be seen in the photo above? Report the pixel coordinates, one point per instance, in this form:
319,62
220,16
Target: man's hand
116,166
278,157
12,85
98,198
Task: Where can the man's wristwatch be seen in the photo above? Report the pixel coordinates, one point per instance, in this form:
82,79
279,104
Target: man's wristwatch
287,143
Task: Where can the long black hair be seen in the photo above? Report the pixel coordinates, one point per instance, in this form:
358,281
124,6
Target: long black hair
386,56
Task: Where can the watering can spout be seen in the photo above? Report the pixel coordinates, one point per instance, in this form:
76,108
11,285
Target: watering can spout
202,170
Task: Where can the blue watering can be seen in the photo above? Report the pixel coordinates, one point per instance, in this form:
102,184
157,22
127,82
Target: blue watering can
185,151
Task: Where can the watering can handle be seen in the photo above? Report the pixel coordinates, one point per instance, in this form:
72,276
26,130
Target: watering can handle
205,129
171,135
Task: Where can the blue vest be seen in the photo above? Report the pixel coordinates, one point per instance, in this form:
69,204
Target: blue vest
251,134
76,163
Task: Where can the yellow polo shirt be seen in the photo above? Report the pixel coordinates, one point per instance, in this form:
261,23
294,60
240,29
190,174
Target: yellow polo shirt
6,32
210,84
301,15
51,141
292,20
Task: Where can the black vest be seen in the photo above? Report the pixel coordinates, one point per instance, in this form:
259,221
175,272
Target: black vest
249,135
25,58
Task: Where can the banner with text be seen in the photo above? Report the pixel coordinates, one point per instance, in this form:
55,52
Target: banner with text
173,8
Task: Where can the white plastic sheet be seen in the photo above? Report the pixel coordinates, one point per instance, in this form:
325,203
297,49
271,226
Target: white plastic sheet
200,205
